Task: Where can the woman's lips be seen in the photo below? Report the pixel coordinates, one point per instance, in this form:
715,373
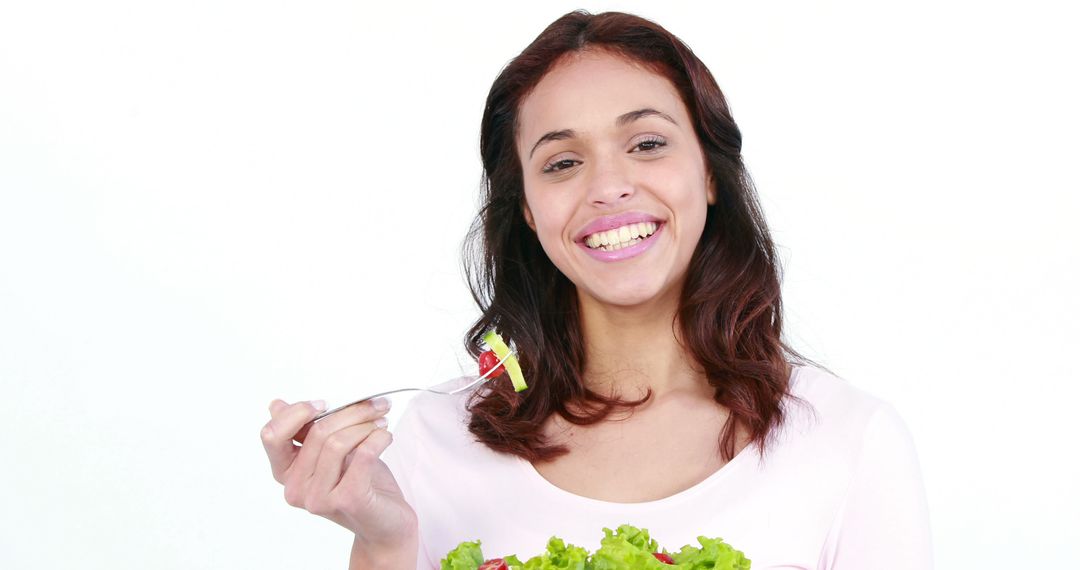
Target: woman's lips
625,252
605,223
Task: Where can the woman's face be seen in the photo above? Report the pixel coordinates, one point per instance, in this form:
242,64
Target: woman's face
616,186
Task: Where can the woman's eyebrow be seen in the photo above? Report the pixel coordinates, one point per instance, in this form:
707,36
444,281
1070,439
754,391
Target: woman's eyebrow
553,136
620,121
627,118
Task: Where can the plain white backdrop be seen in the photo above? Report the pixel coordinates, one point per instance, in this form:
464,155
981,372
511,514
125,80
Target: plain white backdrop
208,205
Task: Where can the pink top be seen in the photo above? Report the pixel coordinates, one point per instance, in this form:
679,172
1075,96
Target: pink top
840,489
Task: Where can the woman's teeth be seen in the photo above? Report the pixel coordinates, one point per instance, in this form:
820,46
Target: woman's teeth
619,238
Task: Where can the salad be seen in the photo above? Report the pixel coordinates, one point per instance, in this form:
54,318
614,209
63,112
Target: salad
500,352
627,548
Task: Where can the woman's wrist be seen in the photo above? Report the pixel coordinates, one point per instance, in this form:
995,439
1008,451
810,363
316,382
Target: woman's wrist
401,555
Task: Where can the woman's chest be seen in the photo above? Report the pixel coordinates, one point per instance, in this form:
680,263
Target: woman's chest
637,461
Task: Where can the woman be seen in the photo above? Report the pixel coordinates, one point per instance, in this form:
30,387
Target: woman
622,249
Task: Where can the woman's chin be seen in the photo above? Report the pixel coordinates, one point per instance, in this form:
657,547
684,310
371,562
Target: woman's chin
627,297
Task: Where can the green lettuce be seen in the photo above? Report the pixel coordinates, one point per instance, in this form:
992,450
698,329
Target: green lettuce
626,548
559,555
467,556
714,553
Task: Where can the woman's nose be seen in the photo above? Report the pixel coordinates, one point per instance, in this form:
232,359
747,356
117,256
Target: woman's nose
609,184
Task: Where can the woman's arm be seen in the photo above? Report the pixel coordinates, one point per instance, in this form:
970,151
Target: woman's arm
365,557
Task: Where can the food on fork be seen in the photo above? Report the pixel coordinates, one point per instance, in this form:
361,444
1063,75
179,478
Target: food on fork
502,352
490,365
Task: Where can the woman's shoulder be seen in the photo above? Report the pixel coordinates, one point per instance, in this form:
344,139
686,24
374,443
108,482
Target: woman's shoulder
437,416
430,427
832,408
822,386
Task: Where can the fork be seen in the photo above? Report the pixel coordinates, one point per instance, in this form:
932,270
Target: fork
302,434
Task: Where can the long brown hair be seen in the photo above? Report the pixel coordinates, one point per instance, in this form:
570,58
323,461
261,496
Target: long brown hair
729,309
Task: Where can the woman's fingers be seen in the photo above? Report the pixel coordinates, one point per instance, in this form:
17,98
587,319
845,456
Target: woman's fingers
276,405
360,470
317,436
277,434
379,404
332,461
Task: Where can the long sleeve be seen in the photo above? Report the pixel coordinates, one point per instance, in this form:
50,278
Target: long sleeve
884,522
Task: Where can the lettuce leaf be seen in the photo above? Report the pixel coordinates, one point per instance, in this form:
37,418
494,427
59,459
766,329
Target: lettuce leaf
559,555
627,548
714,553
467,556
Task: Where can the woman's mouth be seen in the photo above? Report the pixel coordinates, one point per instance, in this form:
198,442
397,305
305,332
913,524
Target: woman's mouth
622,242
618,238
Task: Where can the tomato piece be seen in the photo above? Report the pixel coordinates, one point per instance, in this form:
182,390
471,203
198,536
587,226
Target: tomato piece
489,360
666,559
494,564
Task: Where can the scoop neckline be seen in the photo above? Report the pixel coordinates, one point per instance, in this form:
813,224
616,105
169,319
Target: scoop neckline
553,489
714,478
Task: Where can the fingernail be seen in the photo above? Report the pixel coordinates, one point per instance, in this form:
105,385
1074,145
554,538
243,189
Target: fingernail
381,422
319,405
381,404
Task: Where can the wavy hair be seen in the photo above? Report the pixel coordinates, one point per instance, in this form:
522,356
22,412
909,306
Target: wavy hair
729,310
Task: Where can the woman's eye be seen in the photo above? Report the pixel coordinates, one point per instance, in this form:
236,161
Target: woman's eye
649,144
559,165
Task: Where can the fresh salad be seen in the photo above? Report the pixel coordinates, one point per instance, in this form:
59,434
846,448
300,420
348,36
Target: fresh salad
500,352
627,548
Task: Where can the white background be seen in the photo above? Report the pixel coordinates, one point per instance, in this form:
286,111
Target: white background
207,205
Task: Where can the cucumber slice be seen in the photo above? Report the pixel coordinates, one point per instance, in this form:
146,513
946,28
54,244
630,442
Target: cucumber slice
498,345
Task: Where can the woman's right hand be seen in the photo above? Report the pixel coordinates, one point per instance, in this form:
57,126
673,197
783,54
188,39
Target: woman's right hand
337,473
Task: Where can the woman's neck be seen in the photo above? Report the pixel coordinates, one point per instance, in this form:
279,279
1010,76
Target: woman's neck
631,349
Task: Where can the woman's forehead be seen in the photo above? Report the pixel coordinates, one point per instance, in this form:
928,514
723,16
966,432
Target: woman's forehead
589,90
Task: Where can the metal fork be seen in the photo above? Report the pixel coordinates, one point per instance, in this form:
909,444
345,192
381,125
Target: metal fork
300,435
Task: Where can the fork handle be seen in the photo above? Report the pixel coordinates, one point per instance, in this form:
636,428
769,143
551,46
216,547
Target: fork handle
302,434
361,400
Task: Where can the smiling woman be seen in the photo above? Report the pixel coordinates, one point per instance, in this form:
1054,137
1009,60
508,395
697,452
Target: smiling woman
588,189
621,247
602,123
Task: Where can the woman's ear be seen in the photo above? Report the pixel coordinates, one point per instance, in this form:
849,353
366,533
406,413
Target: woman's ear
710,189
525,211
